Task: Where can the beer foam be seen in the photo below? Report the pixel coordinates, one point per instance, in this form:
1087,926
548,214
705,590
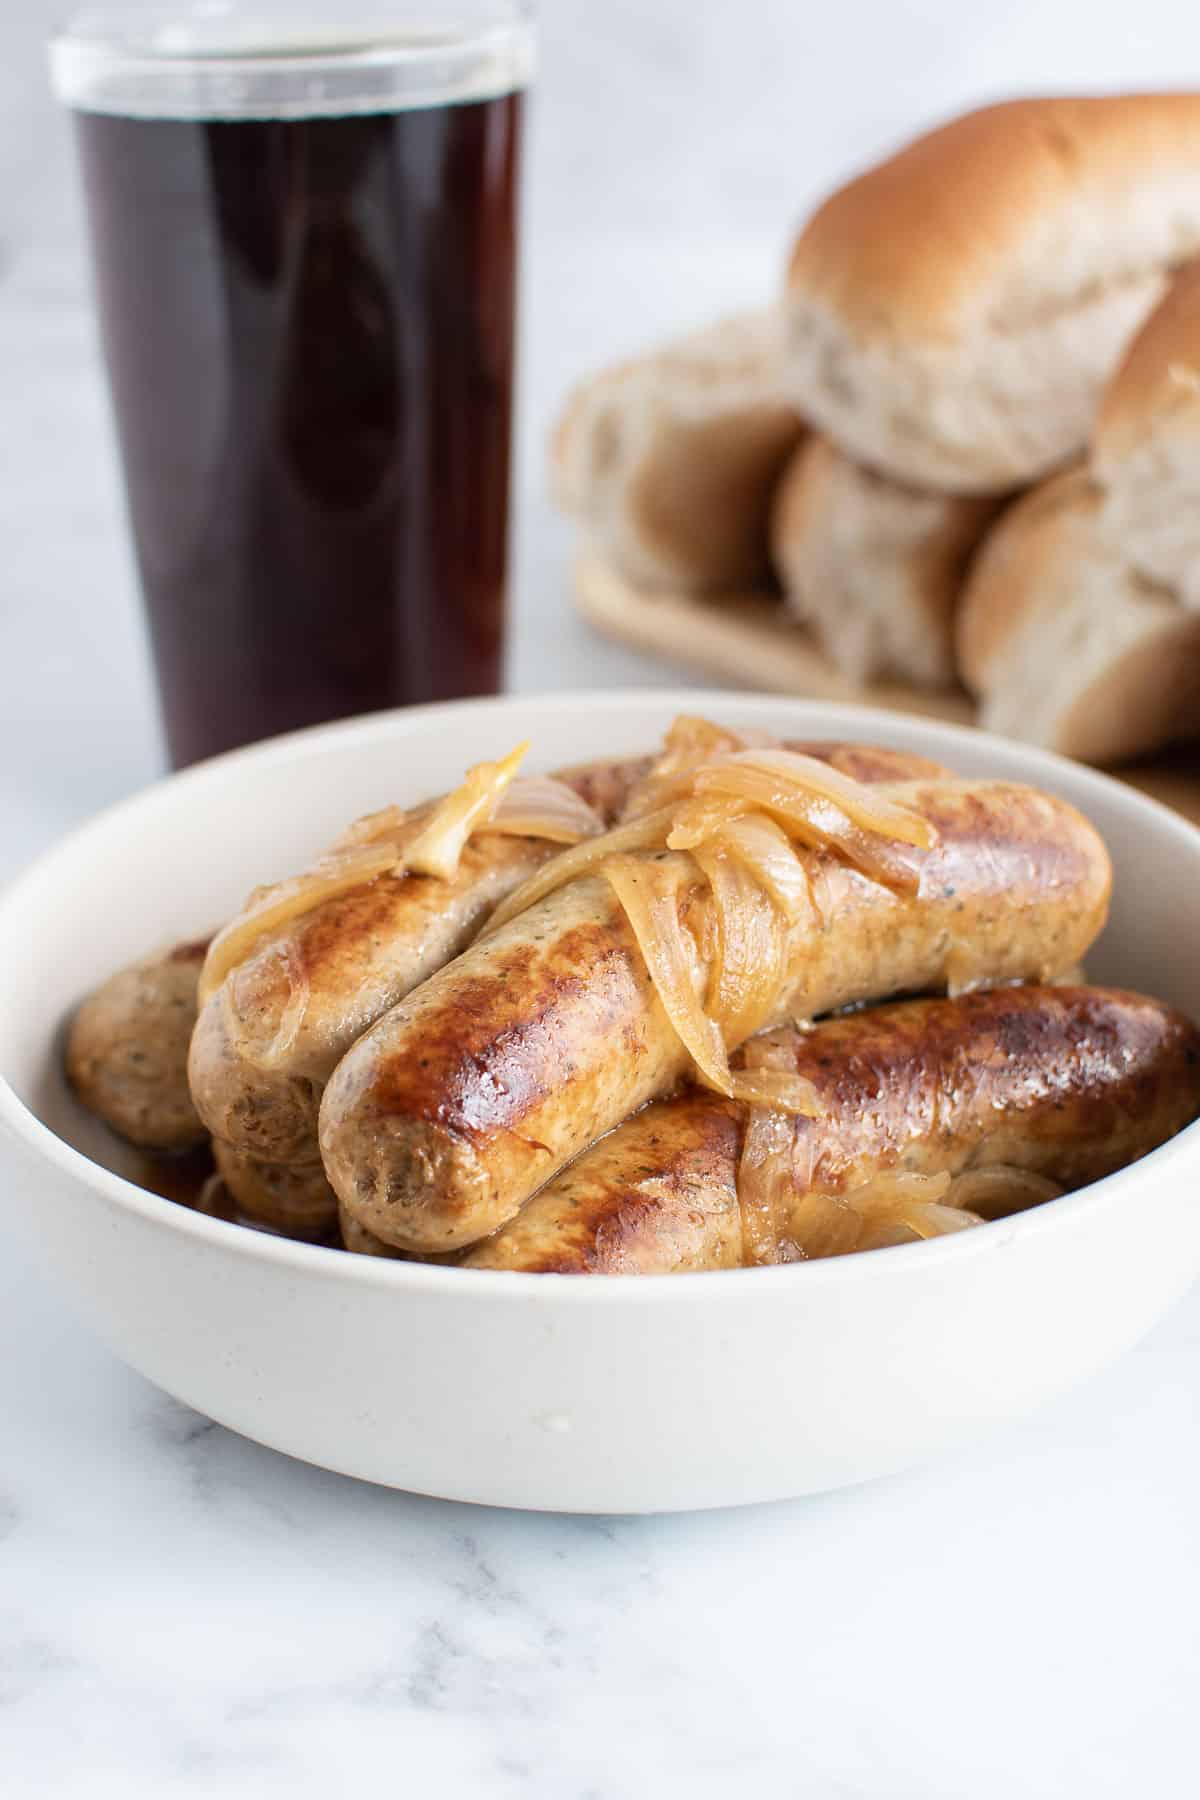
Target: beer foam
212,62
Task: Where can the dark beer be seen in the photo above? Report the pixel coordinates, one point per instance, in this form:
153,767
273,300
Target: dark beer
308,324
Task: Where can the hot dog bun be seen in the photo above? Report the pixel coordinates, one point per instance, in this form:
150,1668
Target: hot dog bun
669,460
1064,644
873,566
1146,447
953,313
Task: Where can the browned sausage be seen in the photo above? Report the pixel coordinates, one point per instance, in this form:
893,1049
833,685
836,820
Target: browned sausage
482,1084
296,1201
127,1050
355,956
1069,1083
352,957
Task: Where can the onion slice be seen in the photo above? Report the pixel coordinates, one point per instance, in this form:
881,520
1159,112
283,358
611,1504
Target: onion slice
581,859
690,741
770,1179
792,775
699,818
898,1205
765,850
823,1225
765,1185
1001,1189
780,1090
541,807
821,807
749,951
293,1014
650,893
269,909
437,848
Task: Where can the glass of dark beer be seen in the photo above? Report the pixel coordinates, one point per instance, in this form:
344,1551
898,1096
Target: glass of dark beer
303,241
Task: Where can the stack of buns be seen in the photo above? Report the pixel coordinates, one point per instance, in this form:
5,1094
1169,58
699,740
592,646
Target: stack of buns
670,460
966,438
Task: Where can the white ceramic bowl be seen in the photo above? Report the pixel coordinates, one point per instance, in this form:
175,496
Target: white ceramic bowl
543,1391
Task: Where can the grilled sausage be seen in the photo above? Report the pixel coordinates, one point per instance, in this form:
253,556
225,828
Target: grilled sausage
444,1118
296,1201
354,956
127,1050
357,955
1069,1083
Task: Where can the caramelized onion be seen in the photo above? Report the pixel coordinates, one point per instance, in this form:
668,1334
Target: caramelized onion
824,1225
699,818
765,851
271,908
898,1187
939,1221
290,1019
541,807
581,859
650,893
533,806
789,775
822,807
748,960
883,1233
769,1175
998,1191
782,1090
765,1184
898,1205
689,742
437,848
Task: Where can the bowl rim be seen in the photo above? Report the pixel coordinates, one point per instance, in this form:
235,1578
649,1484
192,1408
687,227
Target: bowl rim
41,1143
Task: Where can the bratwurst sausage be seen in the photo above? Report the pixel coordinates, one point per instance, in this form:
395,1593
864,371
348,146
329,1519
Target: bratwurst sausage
354,956
476,1089
348,960
298,1202
127,1050
1065,1083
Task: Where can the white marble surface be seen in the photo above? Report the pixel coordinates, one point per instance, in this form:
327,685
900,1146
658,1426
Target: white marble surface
185,1614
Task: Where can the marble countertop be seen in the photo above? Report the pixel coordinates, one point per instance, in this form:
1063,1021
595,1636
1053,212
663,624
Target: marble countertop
183,1613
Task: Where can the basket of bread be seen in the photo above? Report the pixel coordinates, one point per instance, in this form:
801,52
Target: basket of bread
954,464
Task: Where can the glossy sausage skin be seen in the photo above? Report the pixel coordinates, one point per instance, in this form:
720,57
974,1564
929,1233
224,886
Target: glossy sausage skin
361,953
1070,1083
466,1097
357,955
127,1050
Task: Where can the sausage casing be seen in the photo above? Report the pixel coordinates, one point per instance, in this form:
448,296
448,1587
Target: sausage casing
298,1202
352,957
355,956
127,1050
1068,1083
465,1098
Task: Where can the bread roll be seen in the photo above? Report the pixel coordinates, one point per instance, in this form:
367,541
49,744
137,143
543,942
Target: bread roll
1065,645
670,460
1146,448
875,568
953,314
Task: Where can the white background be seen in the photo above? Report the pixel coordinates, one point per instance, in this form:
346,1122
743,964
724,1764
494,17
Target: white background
182,1613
